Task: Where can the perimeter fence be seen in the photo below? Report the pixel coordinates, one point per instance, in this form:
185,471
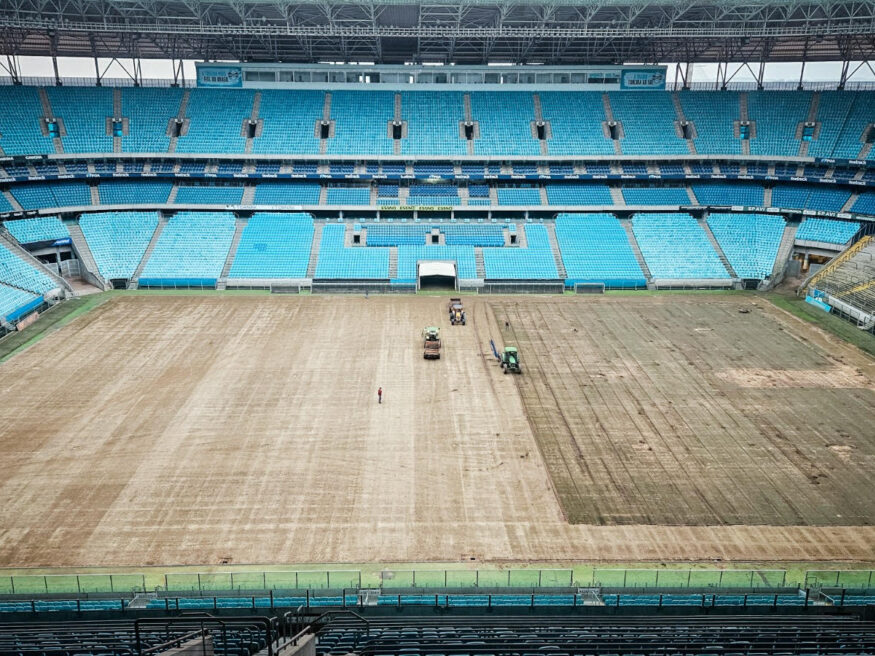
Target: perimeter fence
396,579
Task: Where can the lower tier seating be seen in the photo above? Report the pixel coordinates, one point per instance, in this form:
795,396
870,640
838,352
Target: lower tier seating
676,247
274,246
191,250
749,241
595,248
118,240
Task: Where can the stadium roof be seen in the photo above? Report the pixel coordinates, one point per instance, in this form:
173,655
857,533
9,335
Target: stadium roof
450,31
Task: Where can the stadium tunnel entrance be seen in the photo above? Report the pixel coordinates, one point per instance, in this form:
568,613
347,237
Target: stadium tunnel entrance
436,275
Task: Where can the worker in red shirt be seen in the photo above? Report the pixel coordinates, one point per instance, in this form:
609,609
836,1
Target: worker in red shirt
380,395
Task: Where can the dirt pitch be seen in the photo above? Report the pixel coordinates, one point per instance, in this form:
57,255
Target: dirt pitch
191,429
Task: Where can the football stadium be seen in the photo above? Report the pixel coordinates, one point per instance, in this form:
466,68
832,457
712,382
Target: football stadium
437,328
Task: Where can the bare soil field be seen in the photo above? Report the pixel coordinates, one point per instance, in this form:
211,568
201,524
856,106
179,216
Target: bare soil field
686,411
196,429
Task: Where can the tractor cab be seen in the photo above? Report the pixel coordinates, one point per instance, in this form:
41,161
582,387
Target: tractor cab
510,360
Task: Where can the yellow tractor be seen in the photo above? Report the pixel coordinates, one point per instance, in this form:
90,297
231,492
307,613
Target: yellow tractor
457,312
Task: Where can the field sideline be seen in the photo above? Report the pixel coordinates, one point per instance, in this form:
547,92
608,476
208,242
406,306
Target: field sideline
126,450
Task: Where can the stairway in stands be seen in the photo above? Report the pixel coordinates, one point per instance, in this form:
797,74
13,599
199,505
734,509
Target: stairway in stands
479,263
86,258
135,278
314,248
717,248
636,250
393,262
784,250
239,225
554,246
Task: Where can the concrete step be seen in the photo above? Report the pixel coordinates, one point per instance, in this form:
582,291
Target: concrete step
314,248
151,247
850,202
554,246
617,196
86,258
717,248
636,250
326,107
393,262
248,195
173,191
95,195
767,196
12,200
784,251
232,252
479,263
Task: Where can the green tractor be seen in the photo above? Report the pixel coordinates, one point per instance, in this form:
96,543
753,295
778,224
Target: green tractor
510,360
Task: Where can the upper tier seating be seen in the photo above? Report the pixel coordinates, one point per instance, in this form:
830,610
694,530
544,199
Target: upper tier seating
274,246
463,256
84,111
20,113
432,123
713,114
16,272
30,231
209,195
535,262
865,203
576,123
719,193
39,195
361,121
14,301
290,117
519,196
656,196
648,120
287,131
348,196
843,117
474,234
559,193
396,234
118,240
281,193
827,230
676,247
749,241
216,121
595,248
132,192
149,112
832,111
777,115
191,250
338,262
505,123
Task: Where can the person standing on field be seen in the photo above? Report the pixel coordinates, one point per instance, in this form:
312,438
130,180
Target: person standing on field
380,395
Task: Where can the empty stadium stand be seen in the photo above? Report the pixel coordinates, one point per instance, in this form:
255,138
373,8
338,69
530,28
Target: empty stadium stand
675,247
827,231
749,241
30,231
118,240
596,249
274,246
191,251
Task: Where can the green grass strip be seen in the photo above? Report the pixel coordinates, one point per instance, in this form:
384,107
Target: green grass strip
829,322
